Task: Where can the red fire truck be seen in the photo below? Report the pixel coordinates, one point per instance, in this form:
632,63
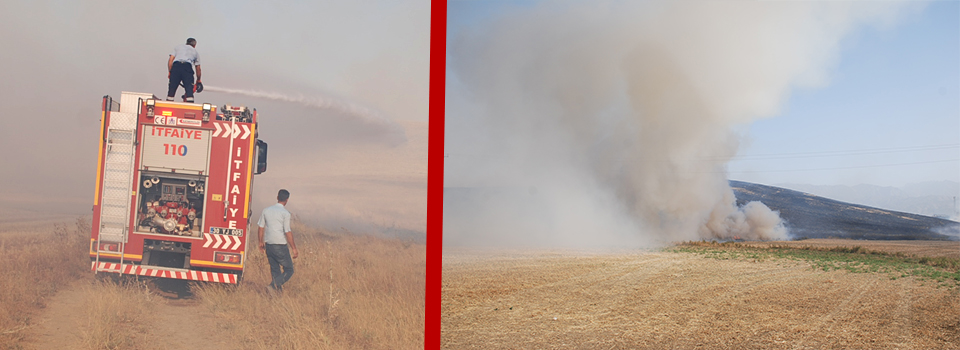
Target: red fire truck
173,188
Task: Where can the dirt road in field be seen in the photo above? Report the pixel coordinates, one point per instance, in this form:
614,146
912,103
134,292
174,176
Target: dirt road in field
551,300
173,324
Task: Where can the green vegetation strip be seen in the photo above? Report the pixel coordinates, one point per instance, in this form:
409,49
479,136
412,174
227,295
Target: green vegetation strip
944,271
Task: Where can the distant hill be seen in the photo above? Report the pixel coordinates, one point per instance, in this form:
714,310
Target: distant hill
934,198
812,216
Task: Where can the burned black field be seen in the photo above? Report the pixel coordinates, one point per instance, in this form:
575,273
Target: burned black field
811,216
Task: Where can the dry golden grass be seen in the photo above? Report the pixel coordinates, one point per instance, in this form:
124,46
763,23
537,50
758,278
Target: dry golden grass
676,300
116,315
348,292
35,264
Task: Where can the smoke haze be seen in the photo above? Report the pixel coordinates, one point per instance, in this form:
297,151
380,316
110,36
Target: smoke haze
585,124
358,97
393,132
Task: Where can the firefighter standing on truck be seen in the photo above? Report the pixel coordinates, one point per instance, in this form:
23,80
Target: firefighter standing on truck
180,69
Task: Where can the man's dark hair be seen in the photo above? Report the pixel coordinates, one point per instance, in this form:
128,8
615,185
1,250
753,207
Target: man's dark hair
283,195
191,41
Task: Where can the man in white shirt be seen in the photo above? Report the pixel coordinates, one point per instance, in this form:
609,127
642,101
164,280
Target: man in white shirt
275,236
180,69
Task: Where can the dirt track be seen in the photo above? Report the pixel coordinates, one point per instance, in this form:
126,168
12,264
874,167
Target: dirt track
179,324
549,300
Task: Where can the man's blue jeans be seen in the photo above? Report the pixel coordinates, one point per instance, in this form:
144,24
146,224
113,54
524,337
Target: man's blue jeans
279,256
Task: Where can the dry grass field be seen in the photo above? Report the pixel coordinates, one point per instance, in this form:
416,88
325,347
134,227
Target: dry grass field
349,291
697,296
38,258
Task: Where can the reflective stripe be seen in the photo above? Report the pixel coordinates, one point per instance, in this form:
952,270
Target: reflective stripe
183,275
96,194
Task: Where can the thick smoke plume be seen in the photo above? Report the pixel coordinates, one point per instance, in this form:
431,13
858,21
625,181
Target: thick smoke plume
361,113
611,124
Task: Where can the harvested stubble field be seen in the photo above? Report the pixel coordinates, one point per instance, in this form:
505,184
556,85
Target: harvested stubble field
697,295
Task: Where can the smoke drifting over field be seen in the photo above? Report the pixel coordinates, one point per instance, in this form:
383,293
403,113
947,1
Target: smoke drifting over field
363,114
611,124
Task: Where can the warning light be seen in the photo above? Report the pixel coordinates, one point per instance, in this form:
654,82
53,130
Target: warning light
166,113
150,104
206,111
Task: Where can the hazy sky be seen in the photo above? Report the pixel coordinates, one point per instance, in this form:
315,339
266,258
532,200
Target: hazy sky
61,57
887,112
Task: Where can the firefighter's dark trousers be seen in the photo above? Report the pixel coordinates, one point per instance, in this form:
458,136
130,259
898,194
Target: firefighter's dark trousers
181,72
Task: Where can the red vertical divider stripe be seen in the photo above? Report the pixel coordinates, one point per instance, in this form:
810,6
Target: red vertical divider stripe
438,65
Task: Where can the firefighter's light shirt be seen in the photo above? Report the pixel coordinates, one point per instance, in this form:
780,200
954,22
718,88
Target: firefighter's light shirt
186,53
275,220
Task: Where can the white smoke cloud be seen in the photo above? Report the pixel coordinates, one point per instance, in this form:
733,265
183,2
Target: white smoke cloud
362,113
616,106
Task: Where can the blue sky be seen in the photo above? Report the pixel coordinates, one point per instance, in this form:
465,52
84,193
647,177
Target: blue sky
894,91
889,113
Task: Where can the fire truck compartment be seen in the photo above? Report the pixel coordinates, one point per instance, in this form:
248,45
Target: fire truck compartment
166,253
171,205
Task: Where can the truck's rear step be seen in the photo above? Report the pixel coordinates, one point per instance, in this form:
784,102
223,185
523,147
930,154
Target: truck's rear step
165,272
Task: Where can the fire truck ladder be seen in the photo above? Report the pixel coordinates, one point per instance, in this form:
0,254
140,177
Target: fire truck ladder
117,180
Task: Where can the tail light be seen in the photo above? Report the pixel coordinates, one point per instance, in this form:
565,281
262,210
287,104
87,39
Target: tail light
109,247
228,258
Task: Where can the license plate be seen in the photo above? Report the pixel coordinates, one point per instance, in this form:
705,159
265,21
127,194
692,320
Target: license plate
226,231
